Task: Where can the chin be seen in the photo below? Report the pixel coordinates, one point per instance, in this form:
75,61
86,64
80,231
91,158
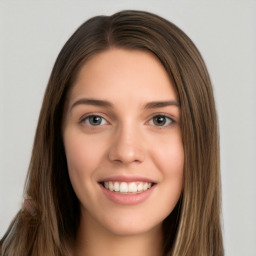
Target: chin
131,225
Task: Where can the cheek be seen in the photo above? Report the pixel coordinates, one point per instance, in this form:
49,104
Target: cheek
84,155
169,157
80,151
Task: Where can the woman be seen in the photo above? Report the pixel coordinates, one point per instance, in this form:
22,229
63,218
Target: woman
126,154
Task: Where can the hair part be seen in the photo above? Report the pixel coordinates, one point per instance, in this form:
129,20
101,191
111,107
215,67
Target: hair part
193,228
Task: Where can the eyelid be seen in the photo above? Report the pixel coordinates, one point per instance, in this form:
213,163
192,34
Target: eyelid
168,116
84,117
164,115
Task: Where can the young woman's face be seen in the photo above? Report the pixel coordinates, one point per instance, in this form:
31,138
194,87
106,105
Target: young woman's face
123,142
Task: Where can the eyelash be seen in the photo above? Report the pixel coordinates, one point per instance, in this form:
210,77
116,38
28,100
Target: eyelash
167,119
83,120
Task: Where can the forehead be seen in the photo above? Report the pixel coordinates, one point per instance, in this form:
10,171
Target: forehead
120,74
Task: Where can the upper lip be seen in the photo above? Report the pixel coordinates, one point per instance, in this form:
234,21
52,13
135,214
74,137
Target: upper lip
127,179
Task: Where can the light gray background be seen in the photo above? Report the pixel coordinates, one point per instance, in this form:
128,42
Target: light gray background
33,32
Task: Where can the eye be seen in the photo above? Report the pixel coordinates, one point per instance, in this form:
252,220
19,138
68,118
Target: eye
94,120
161,120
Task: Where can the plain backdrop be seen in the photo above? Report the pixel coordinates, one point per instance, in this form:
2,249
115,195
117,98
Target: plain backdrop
32,34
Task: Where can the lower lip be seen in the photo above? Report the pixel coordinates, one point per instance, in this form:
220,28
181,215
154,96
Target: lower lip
127,199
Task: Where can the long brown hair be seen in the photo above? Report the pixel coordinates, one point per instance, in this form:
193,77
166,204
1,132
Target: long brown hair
48,222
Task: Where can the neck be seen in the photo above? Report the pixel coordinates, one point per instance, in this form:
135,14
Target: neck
94,240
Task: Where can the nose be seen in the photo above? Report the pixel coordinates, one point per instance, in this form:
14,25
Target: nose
127,146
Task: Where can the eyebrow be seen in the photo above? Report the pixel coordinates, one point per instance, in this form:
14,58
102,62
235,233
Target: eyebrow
100,103
160,104
104,103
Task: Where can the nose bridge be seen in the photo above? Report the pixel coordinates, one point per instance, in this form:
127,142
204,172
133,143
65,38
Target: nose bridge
127,144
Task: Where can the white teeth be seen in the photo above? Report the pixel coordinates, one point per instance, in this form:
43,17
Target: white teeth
110,186
145,186
123,187
116,186
139,188
132,188
106,184
127,187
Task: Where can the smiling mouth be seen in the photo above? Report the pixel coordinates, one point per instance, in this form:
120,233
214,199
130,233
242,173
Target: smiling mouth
134,187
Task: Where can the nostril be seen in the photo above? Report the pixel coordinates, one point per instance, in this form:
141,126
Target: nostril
126,154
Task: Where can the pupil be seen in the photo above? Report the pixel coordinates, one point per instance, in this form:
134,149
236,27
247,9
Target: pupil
95,120
159,120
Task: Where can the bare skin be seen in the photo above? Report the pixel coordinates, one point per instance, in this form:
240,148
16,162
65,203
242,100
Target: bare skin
124,152
108,244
